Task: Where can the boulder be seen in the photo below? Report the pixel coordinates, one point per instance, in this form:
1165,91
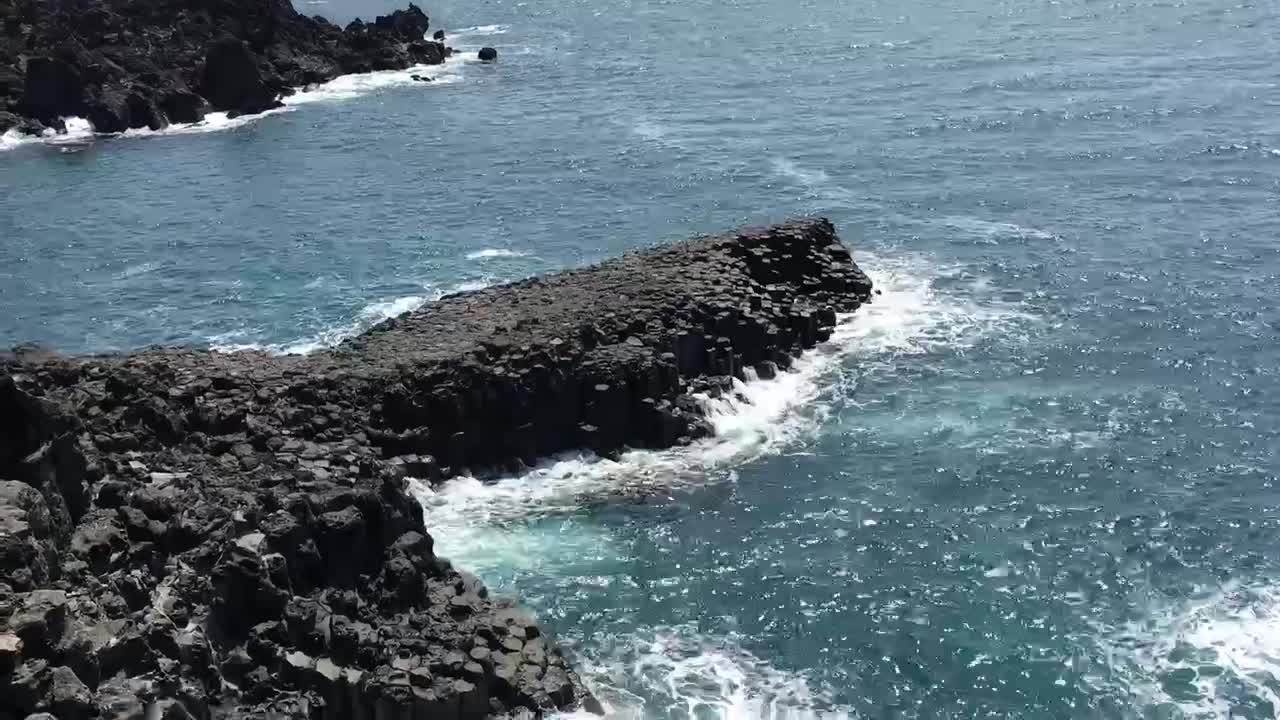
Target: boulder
53,88
28,557
488,54
69,699
409,24
232,81
22,125
426,52
183,106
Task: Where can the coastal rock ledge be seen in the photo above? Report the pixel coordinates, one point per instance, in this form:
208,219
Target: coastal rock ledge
186,533
124,64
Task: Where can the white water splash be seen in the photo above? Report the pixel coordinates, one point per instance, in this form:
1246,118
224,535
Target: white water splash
682,673
496,527
1218,657
345,87
78,131
761,417
488,253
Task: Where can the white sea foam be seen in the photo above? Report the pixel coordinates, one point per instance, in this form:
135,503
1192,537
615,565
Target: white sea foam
451,35
816,182
487,253
679,672
1207,657
514,523
760,417
994,232
78,132
369,315
345,87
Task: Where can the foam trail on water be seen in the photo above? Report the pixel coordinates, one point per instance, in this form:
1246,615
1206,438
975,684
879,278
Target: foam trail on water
679,672
1216,657
495,253
344,87
816,182
477,30
347,87
369,315
212,122
993,232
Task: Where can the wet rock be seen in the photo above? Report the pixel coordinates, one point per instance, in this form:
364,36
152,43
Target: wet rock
487,54
183,106
123,65
53,88
241,530
231,79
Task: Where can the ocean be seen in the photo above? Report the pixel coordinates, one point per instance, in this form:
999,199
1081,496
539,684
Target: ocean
1037,478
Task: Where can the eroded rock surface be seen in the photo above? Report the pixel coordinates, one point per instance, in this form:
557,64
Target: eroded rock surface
146,63
229,535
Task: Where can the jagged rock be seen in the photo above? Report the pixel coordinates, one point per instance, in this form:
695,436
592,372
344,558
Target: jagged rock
231,79
69,699
10,652
52,88
128,65
236,530
183,106
28,557
39,621
23,126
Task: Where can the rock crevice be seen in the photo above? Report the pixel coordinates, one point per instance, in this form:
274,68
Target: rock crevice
186,532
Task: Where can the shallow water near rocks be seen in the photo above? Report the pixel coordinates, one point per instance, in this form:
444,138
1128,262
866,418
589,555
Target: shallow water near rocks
1036,478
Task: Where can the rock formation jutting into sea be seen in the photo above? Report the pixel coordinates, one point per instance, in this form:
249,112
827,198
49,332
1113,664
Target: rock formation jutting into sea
124,64
214,534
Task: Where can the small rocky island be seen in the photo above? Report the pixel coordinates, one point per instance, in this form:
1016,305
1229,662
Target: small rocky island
186,533
124,64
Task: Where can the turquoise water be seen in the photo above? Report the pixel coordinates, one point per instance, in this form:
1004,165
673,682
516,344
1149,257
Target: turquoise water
1037,479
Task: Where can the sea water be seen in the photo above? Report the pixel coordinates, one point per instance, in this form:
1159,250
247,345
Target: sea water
1035,479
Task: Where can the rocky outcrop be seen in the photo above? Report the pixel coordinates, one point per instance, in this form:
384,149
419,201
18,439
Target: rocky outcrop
230,535
146,63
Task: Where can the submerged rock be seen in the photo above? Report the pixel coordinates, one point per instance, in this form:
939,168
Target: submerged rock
185,530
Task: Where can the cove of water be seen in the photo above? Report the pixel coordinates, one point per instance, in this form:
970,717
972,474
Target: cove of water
1036,479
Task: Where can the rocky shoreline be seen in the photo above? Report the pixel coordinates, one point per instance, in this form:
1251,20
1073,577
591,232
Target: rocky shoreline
123,64
186,533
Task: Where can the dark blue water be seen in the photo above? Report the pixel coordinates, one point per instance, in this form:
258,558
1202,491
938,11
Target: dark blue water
1036,480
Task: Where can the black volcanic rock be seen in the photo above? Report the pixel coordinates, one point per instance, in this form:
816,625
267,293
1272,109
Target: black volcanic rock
140,63
488,54
230,535
231,79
